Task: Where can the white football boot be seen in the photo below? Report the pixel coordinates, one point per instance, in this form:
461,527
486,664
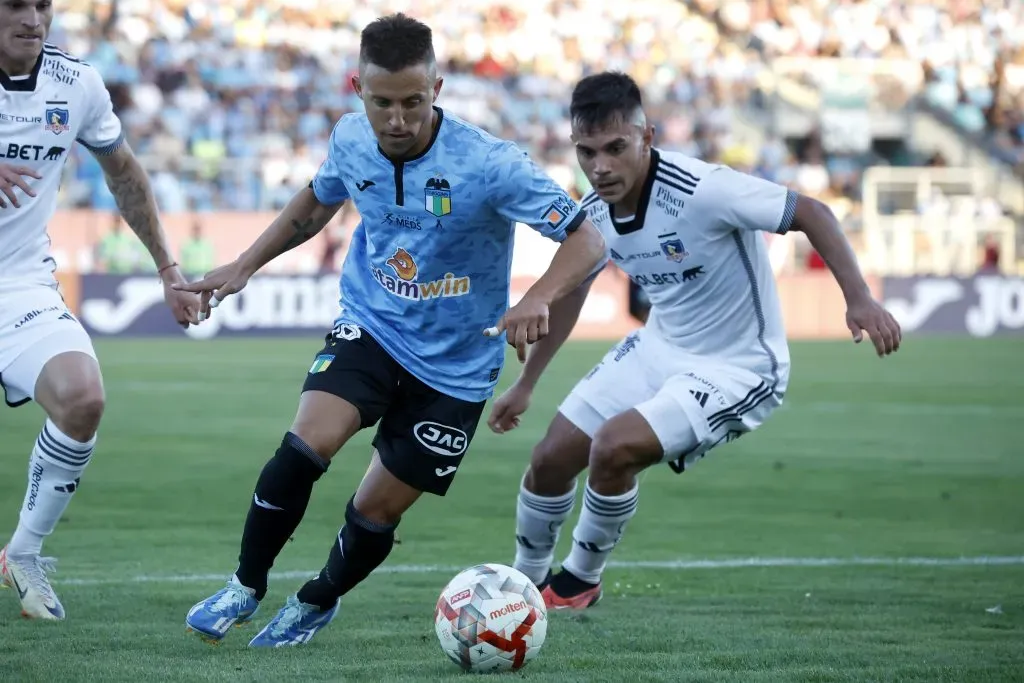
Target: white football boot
27,575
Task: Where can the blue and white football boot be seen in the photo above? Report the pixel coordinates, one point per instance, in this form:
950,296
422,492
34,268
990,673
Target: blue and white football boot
295,624
233,605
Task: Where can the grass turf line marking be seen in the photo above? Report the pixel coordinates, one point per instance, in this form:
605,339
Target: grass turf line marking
677,565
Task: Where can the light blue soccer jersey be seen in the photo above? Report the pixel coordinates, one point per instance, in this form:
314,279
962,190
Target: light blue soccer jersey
429,265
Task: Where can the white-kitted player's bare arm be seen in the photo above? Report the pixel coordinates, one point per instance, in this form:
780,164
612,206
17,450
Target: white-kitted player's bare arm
133,193
863,312
746,202
102,134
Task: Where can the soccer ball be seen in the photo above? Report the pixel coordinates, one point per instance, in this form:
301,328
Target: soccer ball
491,618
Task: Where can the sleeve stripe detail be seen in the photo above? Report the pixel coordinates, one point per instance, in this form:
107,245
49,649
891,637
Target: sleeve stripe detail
671,168
105,150
789,213
673,183
589,200
54,51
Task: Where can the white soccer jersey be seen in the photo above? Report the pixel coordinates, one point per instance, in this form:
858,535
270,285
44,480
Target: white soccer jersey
41,115
695,249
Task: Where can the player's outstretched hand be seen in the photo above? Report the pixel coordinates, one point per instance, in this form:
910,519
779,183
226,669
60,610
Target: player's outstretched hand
510,405
12,177
218,284
523,324
184,305
867,315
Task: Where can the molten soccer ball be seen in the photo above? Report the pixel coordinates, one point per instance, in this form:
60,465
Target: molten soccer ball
491,618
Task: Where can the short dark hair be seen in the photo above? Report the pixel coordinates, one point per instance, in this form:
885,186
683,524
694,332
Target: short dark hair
602,98
396,42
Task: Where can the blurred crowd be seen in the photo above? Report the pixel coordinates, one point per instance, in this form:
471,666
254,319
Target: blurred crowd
970,52
231,103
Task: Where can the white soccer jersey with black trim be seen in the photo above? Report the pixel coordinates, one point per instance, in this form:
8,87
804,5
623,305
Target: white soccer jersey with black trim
695,249
41,115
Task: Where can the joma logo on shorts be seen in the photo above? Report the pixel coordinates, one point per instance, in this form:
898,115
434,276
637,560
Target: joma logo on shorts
440,438
508,609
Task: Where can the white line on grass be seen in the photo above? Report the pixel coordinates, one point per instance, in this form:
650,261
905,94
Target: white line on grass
677,565
793,405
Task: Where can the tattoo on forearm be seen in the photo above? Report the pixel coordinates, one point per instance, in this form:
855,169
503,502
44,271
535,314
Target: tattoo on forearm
304,231
135,199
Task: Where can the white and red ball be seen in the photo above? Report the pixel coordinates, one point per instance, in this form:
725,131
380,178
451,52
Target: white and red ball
491,618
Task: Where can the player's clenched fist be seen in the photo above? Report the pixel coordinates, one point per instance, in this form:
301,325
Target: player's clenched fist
12,177
218,284
508,407
523,324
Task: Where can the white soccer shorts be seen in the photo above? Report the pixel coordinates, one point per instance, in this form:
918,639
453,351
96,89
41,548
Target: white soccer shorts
35,326
692,403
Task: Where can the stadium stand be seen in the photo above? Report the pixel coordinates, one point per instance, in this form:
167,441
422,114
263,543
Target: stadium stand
230,104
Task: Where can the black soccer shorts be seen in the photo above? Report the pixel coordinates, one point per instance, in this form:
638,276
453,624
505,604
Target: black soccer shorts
423,433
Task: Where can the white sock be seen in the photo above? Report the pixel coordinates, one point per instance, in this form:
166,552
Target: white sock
54,470
598,531
538,521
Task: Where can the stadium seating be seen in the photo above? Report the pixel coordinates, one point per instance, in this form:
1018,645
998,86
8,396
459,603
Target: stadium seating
230,105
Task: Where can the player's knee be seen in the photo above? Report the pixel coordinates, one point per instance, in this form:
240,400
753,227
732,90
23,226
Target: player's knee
613,452
79,408
325,422
323,442
552,468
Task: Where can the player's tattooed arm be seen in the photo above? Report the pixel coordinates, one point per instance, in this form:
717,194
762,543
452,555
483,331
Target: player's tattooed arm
133,193
299,222
130,186
304,230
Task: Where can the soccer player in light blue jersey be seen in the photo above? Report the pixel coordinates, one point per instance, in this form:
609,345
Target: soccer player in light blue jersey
427,273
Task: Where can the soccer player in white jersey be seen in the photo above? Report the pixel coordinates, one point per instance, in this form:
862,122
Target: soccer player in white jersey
710,364
48,100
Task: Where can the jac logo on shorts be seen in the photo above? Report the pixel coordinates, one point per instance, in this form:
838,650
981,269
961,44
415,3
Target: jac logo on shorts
440,438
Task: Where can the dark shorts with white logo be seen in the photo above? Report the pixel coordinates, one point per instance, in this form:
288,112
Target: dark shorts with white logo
423,434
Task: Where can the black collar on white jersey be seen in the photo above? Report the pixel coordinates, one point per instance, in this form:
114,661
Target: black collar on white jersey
22,84
433,139
637,221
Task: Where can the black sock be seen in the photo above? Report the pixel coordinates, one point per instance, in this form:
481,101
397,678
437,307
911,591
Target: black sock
361,546
283,492
566,584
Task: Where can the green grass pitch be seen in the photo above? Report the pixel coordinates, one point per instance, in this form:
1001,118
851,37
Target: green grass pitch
870,464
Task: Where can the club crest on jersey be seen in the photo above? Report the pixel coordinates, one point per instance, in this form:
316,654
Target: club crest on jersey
57,120
674,250
438,196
